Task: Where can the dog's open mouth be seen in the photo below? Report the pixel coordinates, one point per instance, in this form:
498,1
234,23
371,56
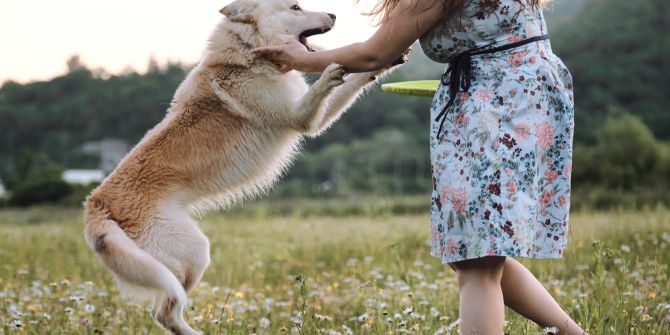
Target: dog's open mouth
302,38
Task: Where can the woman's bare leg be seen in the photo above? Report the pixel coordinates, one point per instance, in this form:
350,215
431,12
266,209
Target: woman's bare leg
525,294
482,308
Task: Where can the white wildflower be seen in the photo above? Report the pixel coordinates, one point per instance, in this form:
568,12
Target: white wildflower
363,317
453,325
89,308
16,324
264,322
550,330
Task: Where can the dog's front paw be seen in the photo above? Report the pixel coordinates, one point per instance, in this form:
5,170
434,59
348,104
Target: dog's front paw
402,59
391,67
333,76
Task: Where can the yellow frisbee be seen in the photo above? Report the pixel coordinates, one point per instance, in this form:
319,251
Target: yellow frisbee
419,88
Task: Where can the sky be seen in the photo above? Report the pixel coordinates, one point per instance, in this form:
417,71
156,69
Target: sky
38,36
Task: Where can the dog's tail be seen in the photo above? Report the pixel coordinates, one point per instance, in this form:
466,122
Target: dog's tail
129,263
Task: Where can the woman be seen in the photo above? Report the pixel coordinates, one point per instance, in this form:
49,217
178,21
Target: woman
501,144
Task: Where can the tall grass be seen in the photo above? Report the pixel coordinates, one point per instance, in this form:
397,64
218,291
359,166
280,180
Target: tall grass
309,274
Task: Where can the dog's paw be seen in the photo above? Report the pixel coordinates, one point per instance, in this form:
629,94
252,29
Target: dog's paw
402,59
333,76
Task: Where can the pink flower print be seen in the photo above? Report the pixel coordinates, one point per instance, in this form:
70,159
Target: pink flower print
484,94
545,134
459,200
547,195
532,60
511,187
464,97
522,131
446,192
550,175
434,233
514,39
561,200
509,172
460,119
451,247
543,55
544,211
517,58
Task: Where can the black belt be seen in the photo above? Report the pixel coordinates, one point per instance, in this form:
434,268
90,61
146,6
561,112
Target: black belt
459,73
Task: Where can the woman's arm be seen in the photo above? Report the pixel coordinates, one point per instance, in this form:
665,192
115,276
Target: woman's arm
408,21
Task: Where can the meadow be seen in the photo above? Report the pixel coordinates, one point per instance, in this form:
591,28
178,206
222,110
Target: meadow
329,273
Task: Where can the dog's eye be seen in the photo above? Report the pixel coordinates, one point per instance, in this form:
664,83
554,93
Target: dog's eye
296,7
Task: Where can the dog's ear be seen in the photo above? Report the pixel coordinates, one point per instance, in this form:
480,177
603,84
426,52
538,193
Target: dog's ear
239,11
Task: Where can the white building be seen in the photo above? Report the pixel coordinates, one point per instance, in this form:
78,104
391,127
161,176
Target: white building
111,152
83,177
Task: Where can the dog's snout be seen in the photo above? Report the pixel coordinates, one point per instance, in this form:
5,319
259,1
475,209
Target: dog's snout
332,16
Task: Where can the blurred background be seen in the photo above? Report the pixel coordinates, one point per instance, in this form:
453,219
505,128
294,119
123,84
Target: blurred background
81,83
340,246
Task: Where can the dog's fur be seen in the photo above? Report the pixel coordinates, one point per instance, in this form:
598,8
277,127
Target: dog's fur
232,128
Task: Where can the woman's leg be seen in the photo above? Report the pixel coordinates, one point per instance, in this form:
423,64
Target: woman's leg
482,308
525,294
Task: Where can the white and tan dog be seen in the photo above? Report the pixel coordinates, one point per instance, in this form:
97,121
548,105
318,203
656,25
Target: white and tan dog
232,128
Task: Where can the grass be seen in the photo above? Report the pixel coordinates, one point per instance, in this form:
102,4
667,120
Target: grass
312,274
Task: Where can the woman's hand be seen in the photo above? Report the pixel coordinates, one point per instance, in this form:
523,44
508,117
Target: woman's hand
287,57
408,21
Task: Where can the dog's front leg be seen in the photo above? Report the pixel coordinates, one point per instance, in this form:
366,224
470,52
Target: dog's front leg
344,96
341,99
312,108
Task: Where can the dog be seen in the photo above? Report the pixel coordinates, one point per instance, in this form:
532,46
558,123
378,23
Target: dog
231,130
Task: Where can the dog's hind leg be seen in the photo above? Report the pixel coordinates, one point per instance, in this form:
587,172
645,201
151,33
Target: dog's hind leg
176,241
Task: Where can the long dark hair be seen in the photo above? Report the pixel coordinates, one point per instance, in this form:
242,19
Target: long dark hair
452,8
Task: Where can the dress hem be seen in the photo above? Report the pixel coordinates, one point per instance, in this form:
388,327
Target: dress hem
447,260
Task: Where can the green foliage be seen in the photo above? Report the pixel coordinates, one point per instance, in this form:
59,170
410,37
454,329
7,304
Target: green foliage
33,180
629,152
626,167
617,52
78,107
40,190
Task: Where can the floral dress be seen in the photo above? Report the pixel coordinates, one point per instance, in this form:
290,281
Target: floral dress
502,164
